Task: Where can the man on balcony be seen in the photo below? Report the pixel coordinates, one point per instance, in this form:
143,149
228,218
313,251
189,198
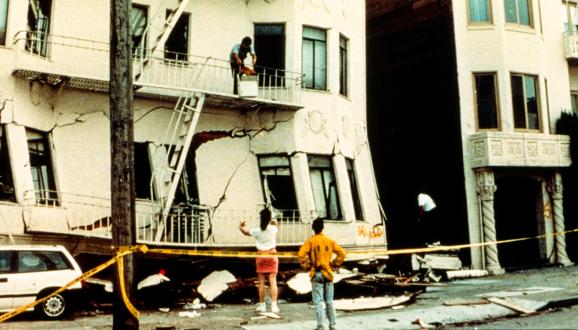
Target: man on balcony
237,59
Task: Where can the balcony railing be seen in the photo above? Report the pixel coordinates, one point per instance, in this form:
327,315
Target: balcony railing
571,46
62,58
89,216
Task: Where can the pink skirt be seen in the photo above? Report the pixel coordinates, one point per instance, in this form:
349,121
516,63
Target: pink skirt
268,264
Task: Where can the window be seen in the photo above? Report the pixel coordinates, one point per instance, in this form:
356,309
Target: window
479,11
518,12
486,100
343,46
277,181
525,102
3,21
5,262
37,261
324,187
270,50
177,45
354,189
574,101
138,25
142,171
38,26
41,168
6,183
314,58
570,14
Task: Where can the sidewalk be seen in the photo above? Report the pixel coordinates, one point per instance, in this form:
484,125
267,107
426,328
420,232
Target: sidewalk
536,289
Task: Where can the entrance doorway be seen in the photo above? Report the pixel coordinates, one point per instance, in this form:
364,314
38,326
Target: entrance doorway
518,210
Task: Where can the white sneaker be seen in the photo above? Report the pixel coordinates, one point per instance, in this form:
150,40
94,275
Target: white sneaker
261,308
275,309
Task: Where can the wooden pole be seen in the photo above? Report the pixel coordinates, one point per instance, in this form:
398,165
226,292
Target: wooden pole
122,158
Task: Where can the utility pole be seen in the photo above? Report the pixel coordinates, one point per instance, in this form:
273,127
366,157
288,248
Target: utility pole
122,158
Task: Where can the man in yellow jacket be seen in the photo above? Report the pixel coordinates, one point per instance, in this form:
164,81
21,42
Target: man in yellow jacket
316,255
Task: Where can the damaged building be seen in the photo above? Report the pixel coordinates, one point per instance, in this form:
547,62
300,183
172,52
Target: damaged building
294,138
468,94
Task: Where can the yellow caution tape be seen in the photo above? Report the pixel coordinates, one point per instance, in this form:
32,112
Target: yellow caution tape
125,250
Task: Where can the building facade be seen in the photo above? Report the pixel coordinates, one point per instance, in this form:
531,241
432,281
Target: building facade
293,139
493,77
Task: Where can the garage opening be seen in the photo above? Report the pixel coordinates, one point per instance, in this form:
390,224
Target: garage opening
519,213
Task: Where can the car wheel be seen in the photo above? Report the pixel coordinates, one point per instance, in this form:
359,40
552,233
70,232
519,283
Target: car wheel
53,307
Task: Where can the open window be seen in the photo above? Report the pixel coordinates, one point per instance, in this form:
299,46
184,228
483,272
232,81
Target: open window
270,50
486,100
324,187
277,181
6,182
177,45
142,170
41,168
39,12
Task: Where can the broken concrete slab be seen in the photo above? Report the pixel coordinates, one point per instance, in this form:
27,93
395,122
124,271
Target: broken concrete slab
301,282
466,273
367,303
215,284
436,261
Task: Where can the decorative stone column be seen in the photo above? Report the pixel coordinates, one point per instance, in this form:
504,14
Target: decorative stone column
555,188
486,189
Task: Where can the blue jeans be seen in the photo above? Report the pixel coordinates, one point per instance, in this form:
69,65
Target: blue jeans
322,290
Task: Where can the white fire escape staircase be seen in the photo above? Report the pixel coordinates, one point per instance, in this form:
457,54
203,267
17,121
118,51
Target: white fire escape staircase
181,129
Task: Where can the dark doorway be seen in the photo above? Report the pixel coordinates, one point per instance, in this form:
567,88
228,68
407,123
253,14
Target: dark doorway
177,45
517,201
270,50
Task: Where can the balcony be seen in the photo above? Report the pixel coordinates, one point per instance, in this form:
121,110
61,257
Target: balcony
194,226
571,47
495,149
84,64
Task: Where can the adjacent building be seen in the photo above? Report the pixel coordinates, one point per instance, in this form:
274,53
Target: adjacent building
467,94
293,139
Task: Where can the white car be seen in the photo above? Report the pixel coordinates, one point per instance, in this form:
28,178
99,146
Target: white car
30,272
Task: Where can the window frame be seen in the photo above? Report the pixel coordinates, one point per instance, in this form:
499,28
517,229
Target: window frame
326,194
314,43
41,45
4,34
343,65
490,20
48,194
7,171
286,212
536,79
530,5
574,101
140,52
178,56
355,189
496,100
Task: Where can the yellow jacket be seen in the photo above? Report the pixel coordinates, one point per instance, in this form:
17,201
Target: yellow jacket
316,253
